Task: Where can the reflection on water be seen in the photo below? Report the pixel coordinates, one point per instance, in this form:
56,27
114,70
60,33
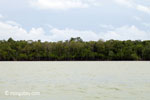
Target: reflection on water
76,80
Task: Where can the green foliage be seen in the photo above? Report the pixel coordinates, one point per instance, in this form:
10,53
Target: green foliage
73,49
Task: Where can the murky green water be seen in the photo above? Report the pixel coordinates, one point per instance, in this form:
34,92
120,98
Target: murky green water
75,80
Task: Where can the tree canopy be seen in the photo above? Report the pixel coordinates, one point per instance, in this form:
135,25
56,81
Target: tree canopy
74,49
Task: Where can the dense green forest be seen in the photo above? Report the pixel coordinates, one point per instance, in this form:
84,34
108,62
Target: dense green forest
74,49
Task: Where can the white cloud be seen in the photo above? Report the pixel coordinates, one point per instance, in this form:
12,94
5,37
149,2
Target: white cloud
128,3
8,30
63,4
127,33
69,4
146,25
120,33
66,34
13,23
143,8
134,4
15,31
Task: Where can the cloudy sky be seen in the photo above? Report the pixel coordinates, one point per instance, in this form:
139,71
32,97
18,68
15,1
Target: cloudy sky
54,20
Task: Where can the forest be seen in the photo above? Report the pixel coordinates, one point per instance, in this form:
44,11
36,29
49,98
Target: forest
74,49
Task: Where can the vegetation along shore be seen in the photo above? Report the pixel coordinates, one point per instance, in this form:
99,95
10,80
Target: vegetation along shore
74,49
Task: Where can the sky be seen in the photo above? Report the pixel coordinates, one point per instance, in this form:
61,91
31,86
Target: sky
56,20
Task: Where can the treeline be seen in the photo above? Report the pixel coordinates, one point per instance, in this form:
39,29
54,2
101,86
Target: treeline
74,49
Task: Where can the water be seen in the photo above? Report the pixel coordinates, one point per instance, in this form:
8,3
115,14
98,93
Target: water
75,80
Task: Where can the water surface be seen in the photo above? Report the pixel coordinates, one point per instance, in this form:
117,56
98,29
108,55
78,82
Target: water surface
76,80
